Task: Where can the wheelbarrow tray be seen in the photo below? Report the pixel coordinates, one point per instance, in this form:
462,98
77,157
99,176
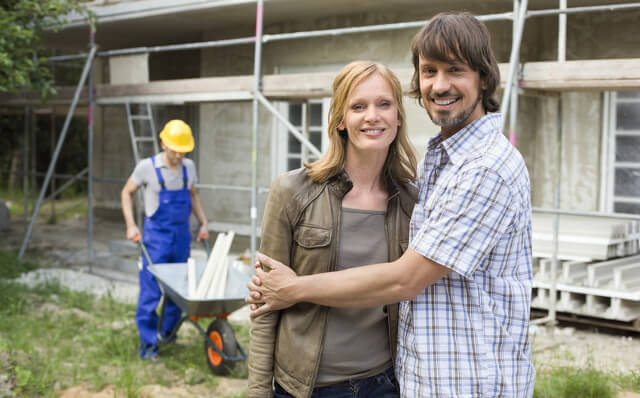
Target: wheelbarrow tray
172,278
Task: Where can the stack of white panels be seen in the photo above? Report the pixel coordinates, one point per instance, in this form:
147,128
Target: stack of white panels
212,283
585,238
602,289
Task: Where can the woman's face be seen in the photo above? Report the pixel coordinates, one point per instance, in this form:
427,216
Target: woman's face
371,118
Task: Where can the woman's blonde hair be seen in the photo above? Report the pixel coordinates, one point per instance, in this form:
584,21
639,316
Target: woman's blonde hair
401,159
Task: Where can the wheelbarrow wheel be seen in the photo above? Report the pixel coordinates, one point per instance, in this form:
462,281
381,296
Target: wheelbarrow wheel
222,336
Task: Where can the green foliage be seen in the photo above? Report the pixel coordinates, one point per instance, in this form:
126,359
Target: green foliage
10,268
22,55
566,382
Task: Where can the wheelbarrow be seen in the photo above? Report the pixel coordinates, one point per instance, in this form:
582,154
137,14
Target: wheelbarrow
222,350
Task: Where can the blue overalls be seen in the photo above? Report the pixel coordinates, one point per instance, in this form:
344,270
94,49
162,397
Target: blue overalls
167,238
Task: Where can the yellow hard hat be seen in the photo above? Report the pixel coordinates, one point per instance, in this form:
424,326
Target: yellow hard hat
176,135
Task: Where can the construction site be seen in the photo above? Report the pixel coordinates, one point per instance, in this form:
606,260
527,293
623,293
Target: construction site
253,80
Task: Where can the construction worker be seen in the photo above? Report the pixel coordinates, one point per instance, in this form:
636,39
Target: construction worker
169,198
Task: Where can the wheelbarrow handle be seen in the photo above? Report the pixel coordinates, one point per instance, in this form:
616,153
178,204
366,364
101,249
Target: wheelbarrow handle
143,247
207,247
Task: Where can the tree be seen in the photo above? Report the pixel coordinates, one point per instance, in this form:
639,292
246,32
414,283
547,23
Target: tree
22,54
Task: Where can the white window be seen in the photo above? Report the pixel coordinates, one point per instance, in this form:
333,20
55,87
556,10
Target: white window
624,152
310,118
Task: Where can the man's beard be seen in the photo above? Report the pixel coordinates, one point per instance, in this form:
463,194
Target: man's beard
448,122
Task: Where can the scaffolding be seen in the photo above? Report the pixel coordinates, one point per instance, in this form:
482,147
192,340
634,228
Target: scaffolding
259,96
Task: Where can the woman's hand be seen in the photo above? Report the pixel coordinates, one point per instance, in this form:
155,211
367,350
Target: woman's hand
273,289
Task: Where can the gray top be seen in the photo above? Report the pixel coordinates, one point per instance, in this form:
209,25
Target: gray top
356,343
145,176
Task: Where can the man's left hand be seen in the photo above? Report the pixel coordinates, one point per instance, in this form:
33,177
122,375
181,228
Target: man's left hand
203,232
270,290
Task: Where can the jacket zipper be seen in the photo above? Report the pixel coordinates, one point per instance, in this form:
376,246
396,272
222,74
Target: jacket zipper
389,255
332,267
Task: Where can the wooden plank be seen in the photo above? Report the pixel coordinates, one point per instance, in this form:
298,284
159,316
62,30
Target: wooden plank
582,85
218,283
207,274
178,86
601,69
606,74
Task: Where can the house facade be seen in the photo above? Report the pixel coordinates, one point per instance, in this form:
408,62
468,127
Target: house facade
582,114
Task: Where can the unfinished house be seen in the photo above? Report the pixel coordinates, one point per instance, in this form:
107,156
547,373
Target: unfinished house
574,114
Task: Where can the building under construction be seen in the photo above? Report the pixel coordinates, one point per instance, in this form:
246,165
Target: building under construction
253,80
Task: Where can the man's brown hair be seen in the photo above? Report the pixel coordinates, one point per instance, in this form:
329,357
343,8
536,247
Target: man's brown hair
460,37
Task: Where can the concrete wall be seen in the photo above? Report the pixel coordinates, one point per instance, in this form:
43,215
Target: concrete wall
226,159
113,157
224,149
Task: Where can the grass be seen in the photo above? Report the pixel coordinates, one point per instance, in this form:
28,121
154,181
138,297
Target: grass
566,382
52,339
67,205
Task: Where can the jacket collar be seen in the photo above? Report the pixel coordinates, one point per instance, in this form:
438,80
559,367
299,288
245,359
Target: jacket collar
340,184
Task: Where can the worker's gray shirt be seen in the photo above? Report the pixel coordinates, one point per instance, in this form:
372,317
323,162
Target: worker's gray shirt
144,175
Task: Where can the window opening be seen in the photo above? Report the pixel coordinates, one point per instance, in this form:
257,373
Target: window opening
308,118
625,152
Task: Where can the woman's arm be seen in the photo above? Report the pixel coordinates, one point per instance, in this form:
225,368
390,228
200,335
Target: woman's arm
276,241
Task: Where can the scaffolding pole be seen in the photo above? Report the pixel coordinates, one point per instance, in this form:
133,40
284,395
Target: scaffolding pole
257,86
92,44
583,10
25,162
513,59
52,165
562,40
513,112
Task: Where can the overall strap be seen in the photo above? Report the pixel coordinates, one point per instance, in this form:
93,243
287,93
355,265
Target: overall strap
158,173
185,179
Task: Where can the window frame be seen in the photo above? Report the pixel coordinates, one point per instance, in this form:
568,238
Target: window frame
281,154
611,101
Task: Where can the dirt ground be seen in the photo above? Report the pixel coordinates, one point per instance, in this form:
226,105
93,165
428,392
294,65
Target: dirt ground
565,344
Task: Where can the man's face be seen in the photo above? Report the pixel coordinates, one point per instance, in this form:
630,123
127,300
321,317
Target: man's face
172,157
451,93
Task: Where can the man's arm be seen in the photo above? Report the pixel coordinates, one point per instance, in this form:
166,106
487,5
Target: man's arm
198,211
367,286
127,208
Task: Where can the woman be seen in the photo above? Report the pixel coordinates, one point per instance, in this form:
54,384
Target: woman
349,208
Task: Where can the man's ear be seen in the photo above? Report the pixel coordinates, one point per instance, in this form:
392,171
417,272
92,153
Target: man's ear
483,85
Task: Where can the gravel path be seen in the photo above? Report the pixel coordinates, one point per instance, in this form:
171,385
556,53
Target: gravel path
83,282
119,285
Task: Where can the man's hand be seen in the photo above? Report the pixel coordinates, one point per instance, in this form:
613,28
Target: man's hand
273,288
203,232
133,232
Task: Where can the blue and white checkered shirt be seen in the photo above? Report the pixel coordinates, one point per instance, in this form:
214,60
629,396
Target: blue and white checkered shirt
467,334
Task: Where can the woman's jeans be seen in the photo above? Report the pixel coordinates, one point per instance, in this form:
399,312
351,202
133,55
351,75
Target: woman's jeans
382,385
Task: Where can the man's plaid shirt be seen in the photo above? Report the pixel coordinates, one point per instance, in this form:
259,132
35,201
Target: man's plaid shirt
467,334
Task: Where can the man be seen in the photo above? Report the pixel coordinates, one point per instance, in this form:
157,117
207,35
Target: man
169,198
465,281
